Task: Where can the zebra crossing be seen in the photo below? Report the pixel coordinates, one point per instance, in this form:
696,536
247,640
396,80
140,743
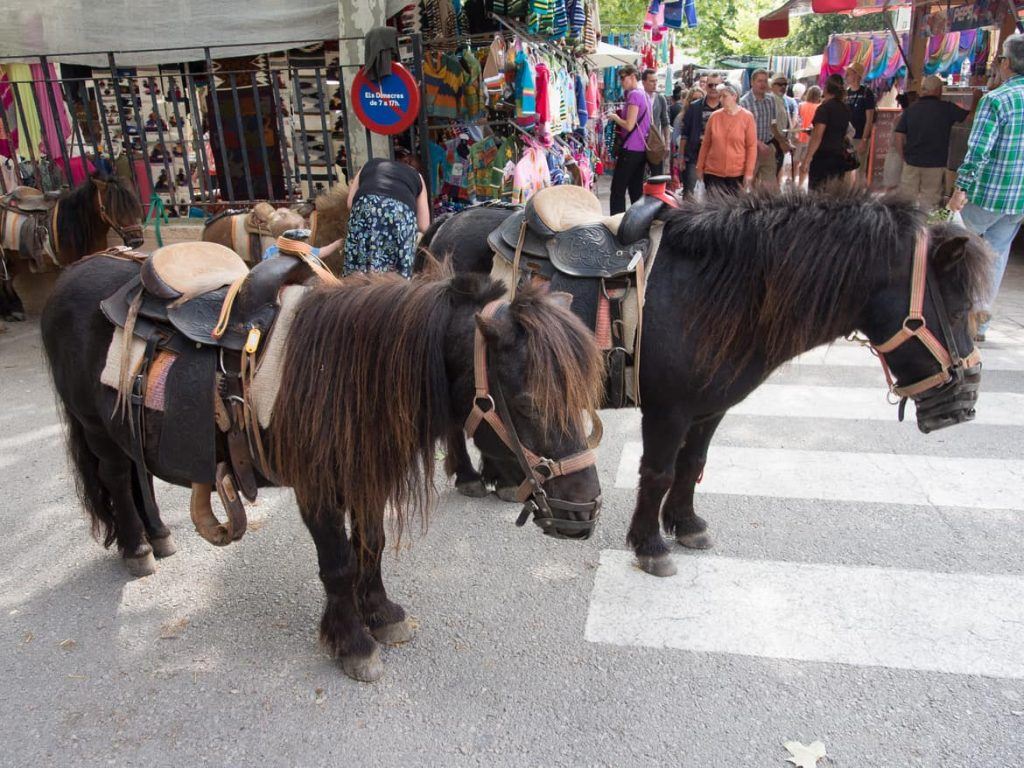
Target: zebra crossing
862,614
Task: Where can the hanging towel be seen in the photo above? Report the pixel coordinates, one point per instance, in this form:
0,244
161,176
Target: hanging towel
379,51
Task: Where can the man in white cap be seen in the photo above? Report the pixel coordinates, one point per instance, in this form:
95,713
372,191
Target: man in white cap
922,140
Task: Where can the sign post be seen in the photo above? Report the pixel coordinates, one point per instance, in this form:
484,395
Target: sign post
390,106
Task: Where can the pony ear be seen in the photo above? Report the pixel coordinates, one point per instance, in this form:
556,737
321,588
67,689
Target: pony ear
497,331
562,298
950,251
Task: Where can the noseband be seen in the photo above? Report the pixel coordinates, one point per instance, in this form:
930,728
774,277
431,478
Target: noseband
132,230
946,397
491,408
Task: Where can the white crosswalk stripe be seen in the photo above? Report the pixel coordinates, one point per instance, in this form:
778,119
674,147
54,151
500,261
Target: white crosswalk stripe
847,355
859,403
881,478
956,623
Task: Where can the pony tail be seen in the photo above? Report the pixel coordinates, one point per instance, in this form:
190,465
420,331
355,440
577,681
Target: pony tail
91,492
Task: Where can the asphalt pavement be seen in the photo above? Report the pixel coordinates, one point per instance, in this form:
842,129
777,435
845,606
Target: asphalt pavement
865,591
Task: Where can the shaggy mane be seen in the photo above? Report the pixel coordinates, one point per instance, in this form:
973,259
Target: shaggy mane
785,272
364,397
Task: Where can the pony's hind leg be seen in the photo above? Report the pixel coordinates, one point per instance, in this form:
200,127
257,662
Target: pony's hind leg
385,619
662,435
158,534
458,463
677,514
114,471
11,307
341,629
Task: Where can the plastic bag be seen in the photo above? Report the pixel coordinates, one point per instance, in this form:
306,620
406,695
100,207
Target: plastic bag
699,191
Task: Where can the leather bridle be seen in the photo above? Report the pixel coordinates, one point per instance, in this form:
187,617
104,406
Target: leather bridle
957,375
490,407
132,230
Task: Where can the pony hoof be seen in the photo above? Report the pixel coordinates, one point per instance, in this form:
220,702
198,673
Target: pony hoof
507,494
164,546
398,633
695,540
660,566
474,489
365,669
143,565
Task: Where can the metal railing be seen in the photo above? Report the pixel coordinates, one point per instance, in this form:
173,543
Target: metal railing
195,135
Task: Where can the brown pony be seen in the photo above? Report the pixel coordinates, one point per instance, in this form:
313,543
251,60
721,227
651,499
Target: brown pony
85,215
327,218
377,372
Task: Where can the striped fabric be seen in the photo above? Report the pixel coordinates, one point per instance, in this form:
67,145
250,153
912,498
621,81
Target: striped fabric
763,111
992,173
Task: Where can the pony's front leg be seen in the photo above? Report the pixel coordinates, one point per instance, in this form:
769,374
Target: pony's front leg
341,629
662,435
385,619
677,514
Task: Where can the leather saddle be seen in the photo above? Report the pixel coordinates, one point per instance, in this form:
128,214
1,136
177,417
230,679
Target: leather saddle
563,237
201,302
185,286
563,229
30,199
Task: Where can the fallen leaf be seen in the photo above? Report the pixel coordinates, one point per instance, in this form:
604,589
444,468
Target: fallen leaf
254,525
319,697
172,630
805,756
68,644
27,638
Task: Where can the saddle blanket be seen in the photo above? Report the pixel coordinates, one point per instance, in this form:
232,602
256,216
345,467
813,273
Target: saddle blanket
26,235
156,379
267,380
242,240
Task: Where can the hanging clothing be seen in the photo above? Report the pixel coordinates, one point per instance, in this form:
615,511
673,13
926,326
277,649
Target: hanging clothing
531,175
543,81
525,91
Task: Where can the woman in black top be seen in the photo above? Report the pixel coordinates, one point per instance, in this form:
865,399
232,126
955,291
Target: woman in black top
389,203
826,154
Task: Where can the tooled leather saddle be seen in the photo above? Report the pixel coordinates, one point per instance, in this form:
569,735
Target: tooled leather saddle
200,302
562,237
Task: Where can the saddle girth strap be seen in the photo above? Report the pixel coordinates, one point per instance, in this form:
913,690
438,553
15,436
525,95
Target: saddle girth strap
137,401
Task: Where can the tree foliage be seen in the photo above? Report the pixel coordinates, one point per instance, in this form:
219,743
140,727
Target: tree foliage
729,28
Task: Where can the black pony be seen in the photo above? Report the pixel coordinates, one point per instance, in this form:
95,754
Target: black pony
740,285
376,371
85,215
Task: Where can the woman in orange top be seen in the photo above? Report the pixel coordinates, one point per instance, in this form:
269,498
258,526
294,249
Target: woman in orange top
812,98
728,152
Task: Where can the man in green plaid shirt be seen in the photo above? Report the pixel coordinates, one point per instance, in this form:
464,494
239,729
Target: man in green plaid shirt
990,183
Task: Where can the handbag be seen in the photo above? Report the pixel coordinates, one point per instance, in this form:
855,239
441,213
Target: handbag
850,160
655,145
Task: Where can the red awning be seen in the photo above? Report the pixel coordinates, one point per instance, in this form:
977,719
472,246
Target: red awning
776,23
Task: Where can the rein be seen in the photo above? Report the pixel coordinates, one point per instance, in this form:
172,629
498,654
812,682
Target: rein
492,408
124,232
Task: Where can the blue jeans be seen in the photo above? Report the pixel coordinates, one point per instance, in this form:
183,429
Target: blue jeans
998,230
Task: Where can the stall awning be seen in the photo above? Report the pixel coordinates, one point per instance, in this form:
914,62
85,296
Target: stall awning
776,23
609,55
